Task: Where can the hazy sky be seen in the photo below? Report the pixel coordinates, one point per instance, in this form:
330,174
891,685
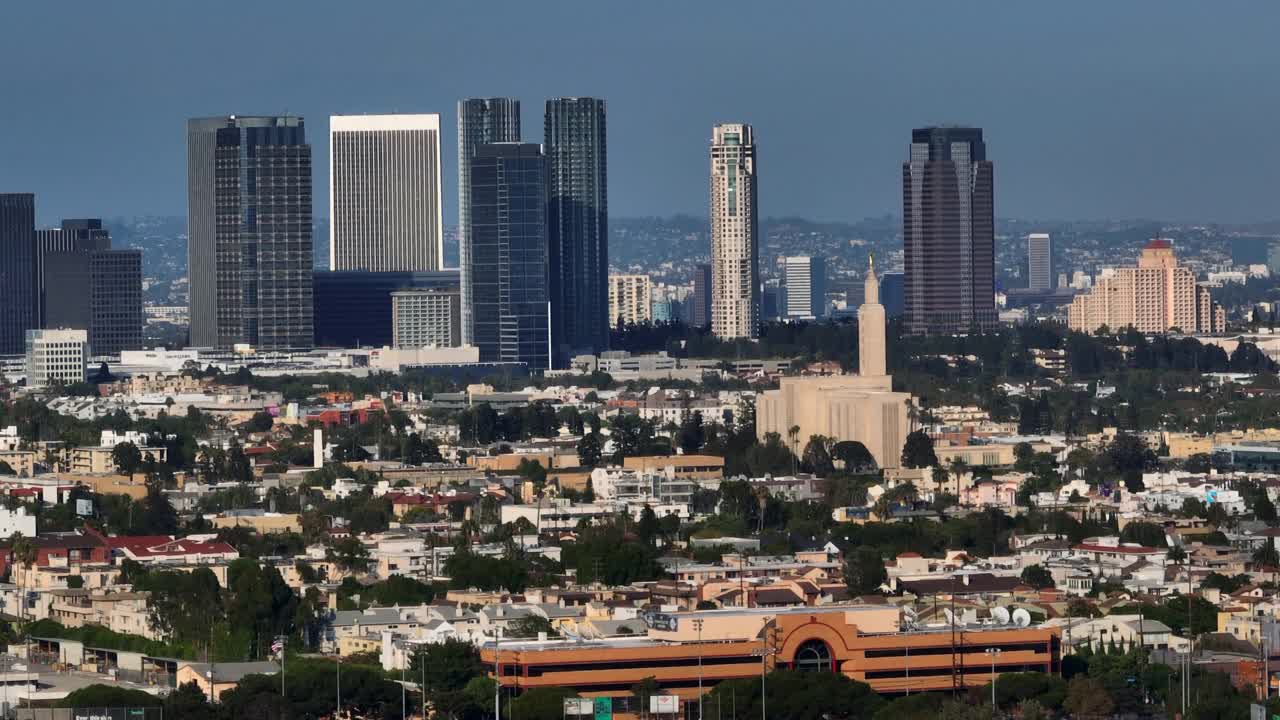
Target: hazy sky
1164,109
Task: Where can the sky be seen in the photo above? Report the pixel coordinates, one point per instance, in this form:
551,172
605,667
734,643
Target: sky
1162,109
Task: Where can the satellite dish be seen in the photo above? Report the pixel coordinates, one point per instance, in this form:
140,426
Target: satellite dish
1021,617
950,616
969,617
1000,615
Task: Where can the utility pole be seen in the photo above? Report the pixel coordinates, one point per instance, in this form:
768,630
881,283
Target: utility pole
497,675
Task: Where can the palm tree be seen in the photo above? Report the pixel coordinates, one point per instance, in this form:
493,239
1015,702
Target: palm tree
761,494
22,552
793,433
913,414
958,467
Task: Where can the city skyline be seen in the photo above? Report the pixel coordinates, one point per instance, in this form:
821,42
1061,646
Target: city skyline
1194,79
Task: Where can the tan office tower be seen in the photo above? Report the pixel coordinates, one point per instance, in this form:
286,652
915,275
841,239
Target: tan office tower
630,299
384,193
871,322
735,272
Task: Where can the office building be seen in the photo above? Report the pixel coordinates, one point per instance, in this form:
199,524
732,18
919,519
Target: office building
701,316
73,235
806,290
56,356
578,226
1039,262
427,317
480,121
860,407
631,300
1156,296
686,653
87,285
510,300
249,246
355,308
18,297
384,193
735,272
949,232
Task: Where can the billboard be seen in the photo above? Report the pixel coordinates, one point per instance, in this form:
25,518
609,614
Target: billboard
664,704
84,506
603,708
579,706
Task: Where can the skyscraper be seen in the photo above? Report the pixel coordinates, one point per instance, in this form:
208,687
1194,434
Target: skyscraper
81,235
948,232
87,285
18,301
249,231
480,121
510,302
735,272
1039,262
578,226
1156,296
806,291
384,193
701,316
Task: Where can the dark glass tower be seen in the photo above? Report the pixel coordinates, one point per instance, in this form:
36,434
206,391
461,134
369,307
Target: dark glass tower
701,316
508,230
353,308
480,121
249,226
948,233
19,303
86,285
578,222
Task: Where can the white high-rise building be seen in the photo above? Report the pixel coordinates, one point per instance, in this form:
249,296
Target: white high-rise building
630,299
1039,262
426,317
735,272
56,356
384,193
806,292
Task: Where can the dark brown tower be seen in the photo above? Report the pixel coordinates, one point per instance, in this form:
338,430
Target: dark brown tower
948,233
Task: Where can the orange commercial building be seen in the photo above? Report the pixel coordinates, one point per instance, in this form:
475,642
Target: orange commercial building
862,642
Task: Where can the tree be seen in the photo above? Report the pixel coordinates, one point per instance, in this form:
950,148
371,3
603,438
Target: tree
1144,533
108,696
127,458
530,626
854,455
647,527
541,703
1037,577
589,450
817,456
449,665
864,571
917,452
1088,698
1266,556
350,554
260,422
692,435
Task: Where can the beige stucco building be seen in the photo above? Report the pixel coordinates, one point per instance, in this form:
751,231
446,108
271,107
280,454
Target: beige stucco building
630,299
860,407
1156,296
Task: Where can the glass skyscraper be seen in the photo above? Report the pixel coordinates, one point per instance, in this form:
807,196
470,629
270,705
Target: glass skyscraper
249,232
86,285
508,291
949,232
480,121
578,221
18,301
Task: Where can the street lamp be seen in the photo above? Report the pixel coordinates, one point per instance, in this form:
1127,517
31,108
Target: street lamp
697,624
766,649
994,653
